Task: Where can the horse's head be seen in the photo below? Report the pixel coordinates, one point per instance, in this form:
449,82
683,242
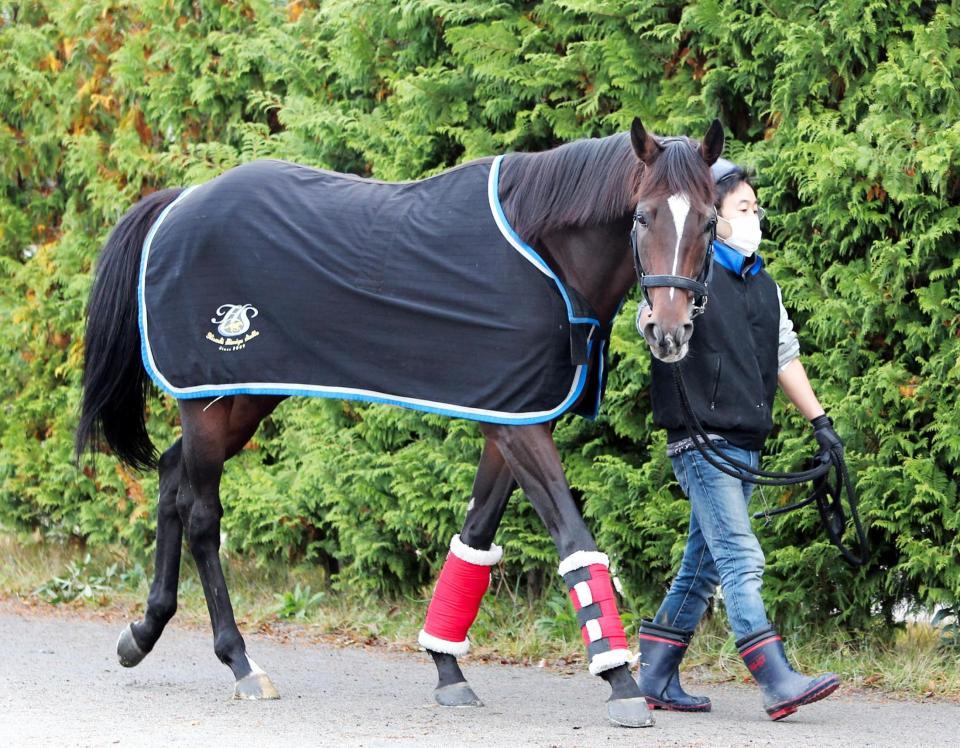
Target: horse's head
672,235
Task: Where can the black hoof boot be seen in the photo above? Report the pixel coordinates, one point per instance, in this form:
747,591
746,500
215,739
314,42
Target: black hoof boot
784,689
128,651
456,694
661,650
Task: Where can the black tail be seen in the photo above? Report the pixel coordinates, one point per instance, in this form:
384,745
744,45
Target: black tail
115,384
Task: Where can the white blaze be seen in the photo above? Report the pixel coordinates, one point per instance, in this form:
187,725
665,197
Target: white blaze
679,207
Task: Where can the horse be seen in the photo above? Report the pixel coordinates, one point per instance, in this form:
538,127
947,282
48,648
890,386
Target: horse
570,214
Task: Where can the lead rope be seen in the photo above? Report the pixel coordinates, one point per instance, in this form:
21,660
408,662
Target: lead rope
740,470
827,496
767,519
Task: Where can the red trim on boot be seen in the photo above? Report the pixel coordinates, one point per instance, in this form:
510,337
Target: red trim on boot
660,639
765,642
811,695
672,706
781,713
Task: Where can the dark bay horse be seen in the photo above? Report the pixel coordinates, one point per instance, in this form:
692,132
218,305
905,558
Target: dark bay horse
575,208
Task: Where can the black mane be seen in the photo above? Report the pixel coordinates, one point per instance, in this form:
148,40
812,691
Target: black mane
587,181
596,181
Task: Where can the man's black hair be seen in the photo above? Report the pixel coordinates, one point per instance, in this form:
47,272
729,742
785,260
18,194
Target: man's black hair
728,176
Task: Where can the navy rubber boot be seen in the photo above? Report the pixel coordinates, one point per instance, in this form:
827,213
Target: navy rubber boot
661,649
784,689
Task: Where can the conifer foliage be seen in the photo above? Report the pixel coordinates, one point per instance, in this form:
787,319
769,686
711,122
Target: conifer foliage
848,109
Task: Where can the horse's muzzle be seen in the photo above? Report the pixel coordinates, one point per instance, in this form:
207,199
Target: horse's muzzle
668,346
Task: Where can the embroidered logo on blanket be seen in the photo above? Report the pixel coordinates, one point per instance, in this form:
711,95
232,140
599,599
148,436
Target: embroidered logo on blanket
233,324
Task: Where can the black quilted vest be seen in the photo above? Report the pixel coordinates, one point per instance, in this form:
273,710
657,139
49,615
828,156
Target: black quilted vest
731,368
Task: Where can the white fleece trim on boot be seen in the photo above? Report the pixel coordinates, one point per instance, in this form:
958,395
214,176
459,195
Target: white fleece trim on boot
580,559
603,661
434,644
474,556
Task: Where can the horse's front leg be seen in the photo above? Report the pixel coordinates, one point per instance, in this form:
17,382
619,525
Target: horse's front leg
464,579
212,432
534,461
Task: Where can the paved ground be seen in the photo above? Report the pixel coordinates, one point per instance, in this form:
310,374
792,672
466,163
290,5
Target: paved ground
60,685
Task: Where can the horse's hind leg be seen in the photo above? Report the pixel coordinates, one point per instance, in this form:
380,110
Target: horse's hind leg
491,489
138,639
212,432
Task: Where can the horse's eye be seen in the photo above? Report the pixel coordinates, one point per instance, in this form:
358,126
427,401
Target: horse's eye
641,218
711,225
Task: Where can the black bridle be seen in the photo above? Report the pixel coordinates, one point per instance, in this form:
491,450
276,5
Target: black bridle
698,286
828,491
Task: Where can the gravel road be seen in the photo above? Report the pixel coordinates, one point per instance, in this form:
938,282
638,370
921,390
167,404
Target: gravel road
61,686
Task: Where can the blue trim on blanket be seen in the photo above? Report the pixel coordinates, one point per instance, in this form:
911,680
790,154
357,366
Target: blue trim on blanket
145,355
443,409
318,391
385,400
528,250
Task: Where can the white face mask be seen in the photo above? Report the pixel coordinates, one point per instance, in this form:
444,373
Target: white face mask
744,235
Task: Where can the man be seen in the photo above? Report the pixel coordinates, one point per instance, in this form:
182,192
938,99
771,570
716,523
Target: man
742,348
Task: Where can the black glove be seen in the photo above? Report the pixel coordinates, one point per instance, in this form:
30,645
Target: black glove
826,437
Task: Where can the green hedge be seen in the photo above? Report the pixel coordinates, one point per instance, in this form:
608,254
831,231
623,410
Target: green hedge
848,109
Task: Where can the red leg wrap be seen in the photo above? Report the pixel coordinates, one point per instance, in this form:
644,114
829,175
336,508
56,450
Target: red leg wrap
456,601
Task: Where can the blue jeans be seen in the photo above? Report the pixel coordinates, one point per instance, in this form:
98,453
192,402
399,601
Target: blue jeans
721,547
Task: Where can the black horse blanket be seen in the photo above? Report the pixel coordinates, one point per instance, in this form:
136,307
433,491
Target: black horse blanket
276,278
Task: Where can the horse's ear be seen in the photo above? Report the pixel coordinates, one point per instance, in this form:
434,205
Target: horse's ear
644,144
712,145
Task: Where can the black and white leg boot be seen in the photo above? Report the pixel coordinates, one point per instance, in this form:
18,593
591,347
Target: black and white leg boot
661,650
784,689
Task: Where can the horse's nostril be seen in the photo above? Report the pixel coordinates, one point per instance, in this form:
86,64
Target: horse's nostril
685,333
652,331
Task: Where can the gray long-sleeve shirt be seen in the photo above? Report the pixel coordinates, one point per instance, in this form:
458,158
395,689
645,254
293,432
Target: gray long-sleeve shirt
788,347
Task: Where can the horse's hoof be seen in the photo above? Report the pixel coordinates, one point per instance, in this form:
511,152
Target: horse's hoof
456,694
128,651
632,712
256,686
